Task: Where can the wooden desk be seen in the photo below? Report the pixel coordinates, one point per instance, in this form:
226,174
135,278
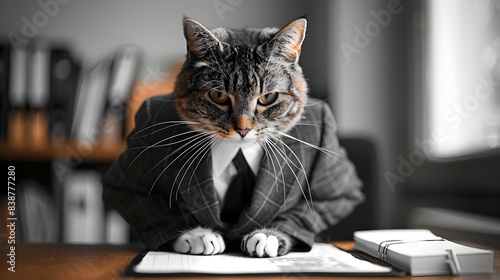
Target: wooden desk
107,262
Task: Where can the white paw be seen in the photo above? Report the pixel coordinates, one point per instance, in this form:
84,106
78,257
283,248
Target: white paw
265,243
199,241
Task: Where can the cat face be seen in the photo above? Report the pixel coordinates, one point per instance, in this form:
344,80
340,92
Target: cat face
241,84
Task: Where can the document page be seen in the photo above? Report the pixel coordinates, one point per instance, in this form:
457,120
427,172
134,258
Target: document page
323,258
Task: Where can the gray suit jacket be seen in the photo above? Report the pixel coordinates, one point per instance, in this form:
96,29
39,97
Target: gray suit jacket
278,199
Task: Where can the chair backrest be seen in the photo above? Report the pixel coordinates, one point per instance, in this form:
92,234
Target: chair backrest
362,153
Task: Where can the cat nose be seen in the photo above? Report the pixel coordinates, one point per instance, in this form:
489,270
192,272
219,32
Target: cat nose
242,132
242,126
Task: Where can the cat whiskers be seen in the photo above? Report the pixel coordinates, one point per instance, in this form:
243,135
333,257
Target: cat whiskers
268,150
335,156
202,148
270,140
157,144
192,138
170,124
173,123
181,155
215,141
262,143
302,169
274,147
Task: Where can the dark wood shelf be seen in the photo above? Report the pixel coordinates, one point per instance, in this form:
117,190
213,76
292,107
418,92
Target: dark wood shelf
102,152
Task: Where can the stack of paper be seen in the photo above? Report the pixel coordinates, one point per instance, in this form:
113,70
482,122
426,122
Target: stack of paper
323,259
420,252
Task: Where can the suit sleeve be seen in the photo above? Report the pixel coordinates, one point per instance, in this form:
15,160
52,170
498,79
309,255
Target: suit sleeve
335,188
126,187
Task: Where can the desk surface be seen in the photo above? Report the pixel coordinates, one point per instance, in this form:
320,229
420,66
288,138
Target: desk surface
68,262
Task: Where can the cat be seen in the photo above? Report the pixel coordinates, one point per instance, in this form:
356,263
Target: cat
236,86
239,49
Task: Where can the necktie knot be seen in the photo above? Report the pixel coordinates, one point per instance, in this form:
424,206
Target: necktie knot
240,163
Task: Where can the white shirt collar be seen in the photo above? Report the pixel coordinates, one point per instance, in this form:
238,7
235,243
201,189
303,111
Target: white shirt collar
223,153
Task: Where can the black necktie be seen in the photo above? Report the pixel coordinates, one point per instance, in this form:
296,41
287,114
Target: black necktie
239,193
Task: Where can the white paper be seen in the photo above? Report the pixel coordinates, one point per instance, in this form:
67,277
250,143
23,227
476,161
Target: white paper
323,258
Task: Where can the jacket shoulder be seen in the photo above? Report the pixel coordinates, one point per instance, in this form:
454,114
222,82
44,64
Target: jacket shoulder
157,108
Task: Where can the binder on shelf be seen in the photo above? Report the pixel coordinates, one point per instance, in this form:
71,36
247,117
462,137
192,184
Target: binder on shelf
91,101
83,209
103,95
37,213
39,74
123,73
45,95
4,88
18,81
13,90
38,92
64,80
42,77
117,229
421,253
124,69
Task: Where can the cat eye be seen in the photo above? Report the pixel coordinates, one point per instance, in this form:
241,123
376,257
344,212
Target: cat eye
218,97
268,99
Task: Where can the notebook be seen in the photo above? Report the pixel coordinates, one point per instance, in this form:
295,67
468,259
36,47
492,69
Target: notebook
323,259
421,253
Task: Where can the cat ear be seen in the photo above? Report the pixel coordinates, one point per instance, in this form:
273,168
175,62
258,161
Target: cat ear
199,40
288,41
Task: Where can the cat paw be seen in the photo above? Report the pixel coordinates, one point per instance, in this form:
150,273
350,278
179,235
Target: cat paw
266,243
199,241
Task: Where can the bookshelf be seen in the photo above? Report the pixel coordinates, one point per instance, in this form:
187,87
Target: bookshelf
58,178
102,152
28,140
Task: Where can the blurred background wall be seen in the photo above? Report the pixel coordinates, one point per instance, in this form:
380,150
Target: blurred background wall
365,58
94,28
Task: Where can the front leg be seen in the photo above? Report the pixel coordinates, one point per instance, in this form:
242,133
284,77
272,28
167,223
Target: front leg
266,243
199,241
